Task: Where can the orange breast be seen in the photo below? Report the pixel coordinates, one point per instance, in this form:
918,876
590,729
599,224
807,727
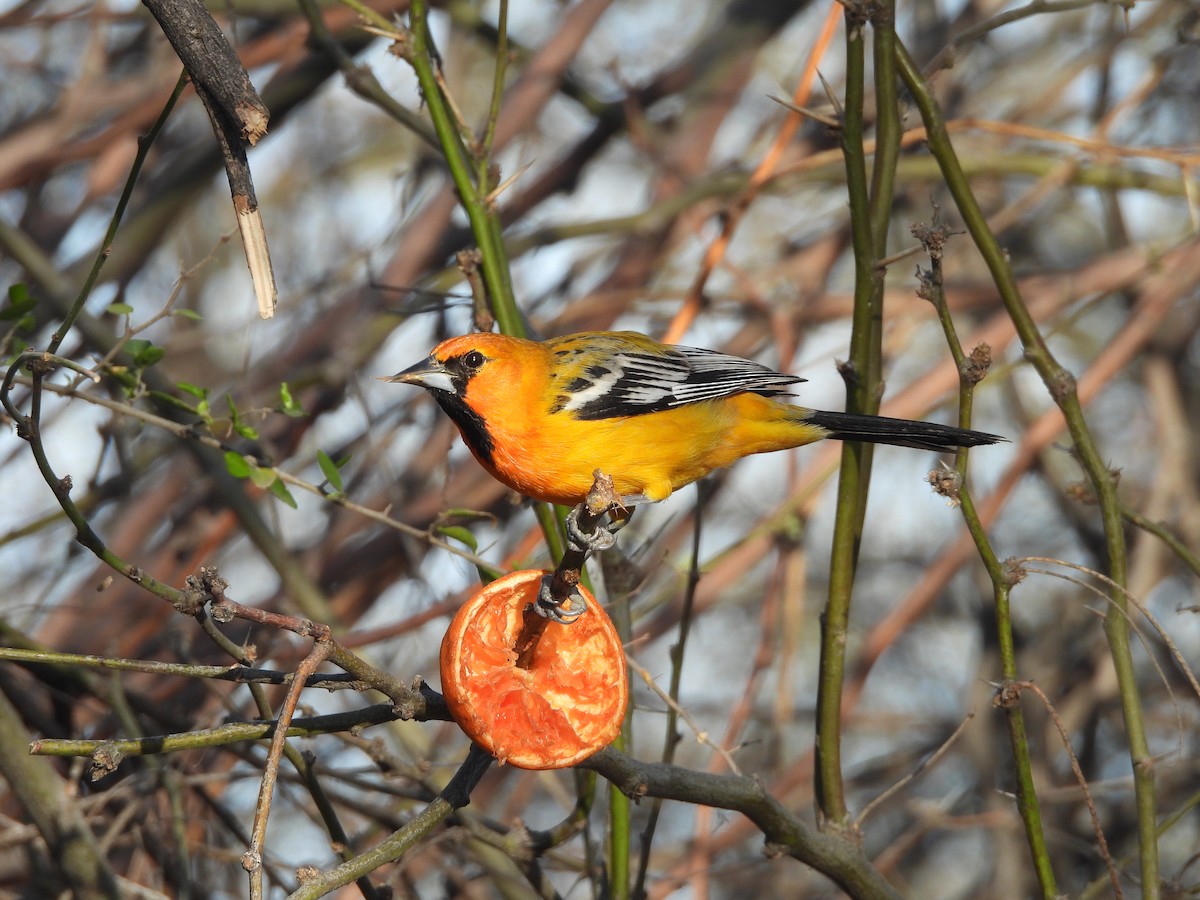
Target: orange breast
552,456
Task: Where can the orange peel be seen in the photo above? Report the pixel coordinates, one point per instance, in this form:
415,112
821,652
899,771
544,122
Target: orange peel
569,702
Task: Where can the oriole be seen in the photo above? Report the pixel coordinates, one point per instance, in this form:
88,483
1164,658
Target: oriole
541,417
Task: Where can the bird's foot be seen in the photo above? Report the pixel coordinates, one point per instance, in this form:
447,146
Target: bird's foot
604,535
591,527
564,611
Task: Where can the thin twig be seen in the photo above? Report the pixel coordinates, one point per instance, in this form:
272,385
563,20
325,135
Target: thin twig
454,796
252,858
952,483
188,432
1176,653
925,765
679,710
1077,770
221,735
1062,387
237,674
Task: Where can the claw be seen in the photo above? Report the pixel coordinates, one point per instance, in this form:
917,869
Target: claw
563,612
601,539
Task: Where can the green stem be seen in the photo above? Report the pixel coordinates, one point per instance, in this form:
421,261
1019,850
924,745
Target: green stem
1002,581
232,733
621,885
888,128
1061,386
489,130
455,795
485,225
1185,554
1183,812
361,79
671,735
619,833
46,800
472,184
910,170
861,375
418,828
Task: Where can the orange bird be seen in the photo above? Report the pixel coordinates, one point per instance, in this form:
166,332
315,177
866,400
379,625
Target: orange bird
542,416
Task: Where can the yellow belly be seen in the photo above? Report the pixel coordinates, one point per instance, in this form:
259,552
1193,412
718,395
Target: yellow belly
654,454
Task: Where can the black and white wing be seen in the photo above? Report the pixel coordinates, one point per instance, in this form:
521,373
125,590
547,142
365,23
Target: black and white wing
630,380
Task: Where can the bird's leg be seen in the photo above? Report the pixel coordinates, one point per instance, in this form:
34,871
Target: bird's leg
603,534
591,527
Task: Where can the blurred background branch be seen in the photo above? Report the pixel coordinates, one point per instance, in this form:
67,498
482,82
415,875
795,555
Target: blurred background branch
649,182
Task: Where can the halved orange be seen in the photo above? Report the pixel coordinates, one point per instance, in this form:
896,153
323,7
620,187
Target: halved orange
569,702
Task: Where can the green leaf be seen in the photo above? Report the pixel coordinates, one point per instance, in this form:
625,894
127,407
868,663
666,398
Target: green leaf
461,534
170,400
119,309
236,464
19,303
263,478
287,403
279,489
459,512
236,422
330,470
195,390
123,376
144,353
18,347
188,314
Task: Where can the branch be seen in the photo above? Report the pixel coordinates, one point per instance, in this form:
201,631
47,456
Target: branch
212,64
1062,388
237,114
840,858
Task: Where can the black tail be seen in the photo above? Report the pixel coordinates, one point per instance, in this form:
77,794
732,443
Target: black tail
901,432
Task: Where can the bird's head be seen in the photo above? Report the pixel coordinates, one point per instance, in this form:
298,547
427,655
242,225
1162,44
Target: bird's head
455,363
472,377
480,376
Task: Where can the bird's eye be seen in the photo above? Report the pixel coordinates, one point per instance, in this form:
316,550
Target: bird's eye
474,359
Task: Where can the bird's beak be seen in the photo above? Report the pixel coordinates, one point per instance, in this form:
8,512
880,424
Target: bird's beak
428,373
